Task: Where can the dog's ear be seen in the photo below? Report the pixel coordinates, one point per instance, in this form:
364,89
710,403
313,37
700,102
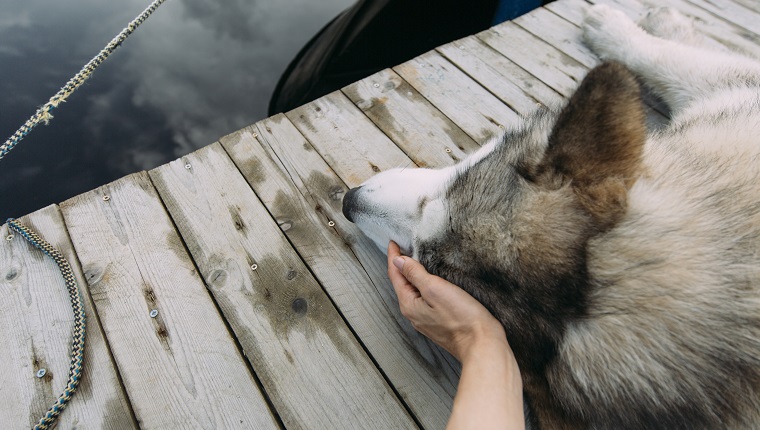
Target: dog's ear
597,142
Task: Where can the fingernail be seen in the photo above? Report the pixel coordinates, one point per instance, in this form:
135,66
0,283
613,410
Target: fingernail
398,262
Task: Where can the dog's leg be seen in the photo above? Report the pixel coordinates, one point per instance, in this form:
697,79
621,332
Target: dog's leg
679,73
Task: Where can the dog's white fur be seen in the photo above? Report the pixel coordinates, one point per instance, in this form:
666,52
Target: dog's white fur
692,218
396,210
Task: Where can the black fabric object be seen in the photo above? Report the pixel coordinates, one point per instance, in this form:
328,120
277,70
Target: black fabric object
372,35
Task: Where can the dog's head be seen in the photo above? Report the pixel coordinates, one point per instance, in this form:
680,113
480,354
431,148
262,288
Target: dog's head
510,223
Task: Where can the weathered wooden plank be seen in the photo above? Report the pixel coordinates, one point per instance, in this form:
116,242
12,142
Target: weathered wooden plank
567,54
346,139
304,195
749,4
732,12
568,39
181,367
426,135
36,323
315,372
506,80
476,111
571,10
719,34
547,63
559,33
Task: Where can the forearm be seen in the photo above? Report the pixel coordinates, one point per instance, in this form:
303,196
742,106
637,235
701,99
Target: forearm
490,390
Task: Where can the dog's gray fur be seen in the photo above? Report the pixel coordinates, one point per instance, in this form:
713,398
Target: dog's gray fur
625,267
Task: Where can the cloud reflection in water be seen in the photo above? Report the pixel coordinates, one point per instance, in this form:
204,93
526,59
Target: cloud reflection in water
195,71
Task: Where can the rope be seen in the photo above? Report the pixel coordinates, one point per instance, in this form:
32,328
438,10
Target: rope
44,114
77,344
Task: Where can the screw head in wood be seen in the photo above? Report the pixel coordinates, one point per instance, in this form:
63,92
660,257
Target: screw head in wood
10,237
40,373
188,166
153,313
106,198
254,266
255,135
376,85
331,223
448,150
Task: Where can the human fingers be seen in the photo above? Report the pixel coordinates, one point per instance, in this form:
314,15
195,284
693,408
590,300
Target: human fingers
413,272
429,287
404,289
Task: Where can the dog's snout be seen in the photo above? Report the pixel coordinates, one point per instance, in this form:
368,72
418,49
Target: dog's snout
350,203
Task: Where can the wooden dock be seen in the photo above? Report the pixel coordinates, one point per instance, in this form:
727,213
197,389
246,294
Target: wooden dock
273,310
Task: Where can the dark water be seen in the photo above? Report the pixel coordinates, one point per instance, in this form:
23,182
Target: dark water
195,71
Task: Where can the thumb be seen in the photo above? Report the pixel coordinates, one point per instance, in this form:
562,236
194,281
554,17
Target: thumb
413,271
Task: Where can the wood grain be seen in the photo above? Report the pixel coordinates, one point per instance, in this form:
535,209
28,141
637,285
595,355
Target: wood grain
315,372
181,368
426,135
517,88
547,63
567,38
304,195
346,139
471,107
36,326
745,17
559,33
570,10
720,35
749,4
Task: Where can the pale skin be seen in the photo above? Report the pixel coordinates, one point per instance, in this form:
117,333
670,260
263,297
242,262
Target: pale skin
489,395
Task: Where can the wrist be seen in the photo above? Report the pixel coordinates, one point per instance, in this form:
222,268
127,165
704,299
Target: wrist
490,392
484,338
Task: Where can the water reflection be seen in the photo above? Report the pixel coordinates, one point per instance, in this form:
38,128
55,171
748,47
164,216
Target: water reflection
196,70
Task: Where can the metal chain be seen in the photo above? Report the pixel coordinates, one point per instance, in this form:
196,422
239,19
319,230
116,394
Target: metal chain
77,344
43,114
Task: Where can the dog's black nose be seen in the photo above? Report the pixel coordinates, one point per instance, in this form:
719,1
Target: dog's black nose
350,203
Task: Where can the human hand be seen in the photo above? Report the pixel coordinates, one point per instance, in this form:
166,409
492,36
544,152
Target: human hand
489,395
440,310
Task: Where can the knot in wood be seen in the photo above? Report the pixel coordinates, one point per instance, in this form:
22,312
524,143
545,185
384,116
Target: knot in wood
299,306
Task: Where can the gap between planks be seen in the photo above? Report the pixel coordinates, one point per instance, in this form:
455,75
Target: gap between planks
309,362
303,194
36,324
725,33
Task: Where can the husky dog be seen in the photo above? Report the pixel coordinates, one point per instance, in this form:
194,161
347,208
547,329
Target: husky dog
625,267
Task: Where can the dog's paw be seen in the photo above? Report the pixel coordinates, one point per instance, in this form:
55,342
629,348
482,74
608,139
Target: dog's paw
668,23
608,31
